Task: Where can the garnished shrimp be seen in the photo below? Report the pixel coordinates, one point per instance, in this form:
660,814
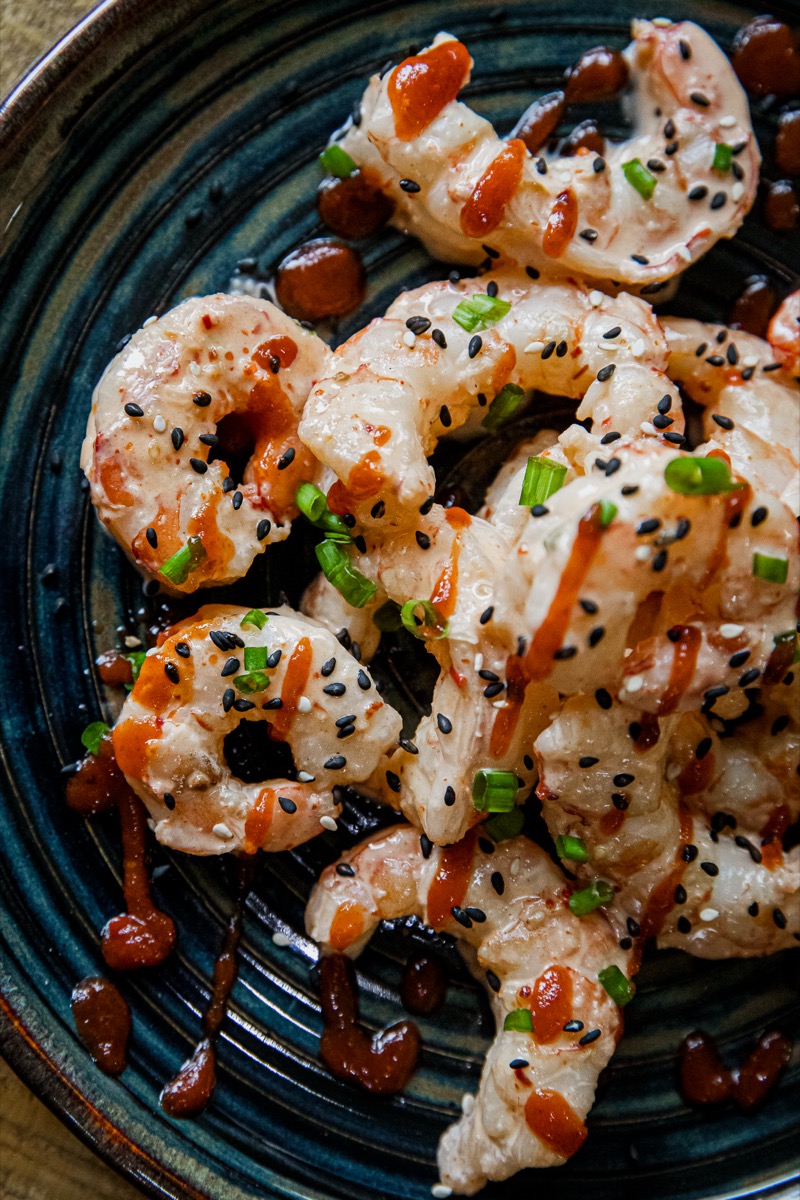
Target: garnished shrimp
398,385
190,393
507,904
638,214
354,628
280,669
637,797
784,333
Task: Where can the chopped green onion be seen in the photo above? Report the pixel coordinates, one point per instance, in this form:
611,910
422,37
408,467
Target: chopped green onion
313,504
135,658
571,849
178,568
619,987
608,510
770,569
339,570
337,161
542,478
588,899
520,1020
253,681
480,312
723,157
639,177
255,658
789,636
93,735
494,791
387,617
503,407
505,825
691,476
254,617
430,626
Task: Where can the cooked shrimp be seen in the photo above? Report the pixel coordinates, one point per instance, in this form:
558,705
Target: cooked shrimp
784,333
354,628
638,214
404,380
752,409
280,669
508,906
638,799
231,370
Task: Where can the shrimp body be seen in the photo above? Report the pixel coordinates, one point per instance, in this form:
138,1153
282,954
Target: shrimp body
214,376
392,392
508,908
194,690
475,189
784,333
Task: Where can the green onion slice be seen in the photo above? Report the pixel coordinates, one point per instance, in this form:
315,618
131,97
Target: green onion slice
542,478
723,157
135,658
253,681
339,570
571,848
480,312
429,626
503,407
520,1019
494,791
254,617
619,987
608,510
387,617
588,899
93,735
690,476
313,504
639,177
770,569
255,658
178,568
337,161
505,825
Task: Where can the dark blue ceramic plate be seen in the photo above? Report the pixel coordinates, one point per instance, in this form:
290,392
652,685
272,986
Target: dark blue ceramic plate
159,144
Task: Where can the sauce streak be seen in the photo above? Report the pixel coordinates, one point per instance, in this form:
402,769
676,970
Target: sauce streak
507,717
551,1003
554,1121
383,1063
103,1021
561,224
423,985
682,671
662,898
320,279
294,682
450,883
424,84
704,1079
484,209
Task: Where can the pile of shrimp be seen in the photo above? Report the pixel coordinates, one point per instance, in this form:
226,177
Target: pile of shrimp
620,643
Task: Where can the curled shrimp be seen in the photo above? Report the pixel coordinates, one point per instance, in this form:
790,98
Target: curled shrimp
217,378
642,800
277,669
646,208
417,373
784,333
507,904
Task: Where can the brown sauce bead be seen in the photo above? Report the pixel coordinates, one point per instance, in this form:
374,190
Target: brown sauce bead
114,668
423,986
353,207
766,58
704,1078
762,1069
781,208
598,74
753,308
539,120
320,279
787,143
585,136
103,1021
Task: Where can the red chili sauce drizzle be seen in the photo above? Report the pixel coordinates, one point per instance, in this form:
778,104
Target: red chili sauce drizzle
191,1089
484,209
423,985
449,885
294,682
421,86
561,224
103,1021
320,279
704,1079
114,668
684,660
383,1062
554,1121
551,1003
142,936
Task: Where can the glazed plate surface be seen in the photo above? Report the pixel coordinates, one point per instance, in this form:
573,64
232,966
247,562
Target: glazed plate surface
157,147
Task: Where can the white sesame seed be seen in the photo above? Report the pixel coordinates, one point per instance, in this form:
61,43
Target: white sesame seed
159,424
467,1103
608,345
596,299
709,914
662,22
673,771
132,642
534,347
626,654
499,704
304,705
149,321
221,830
304,777
281,939
195,368
730,631
441,1191
408,338
727,122
478,662
153,650
737,191
647,427
642,553
328,823
637,349
685,253
634,684
599,852
537,917
750,360
515,867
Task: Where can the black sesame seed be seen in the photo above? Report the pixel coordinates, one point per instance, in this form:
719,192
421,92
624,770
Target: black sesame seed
703,748
753,909
608,438
779,917
723,422
274,658
606,372
345,870
588,760
732,354
588,606
684,925
532,273
393,781
573,1027
561,349
134,410
486,615
183,649
676,439
493,981
759,515
669,150
444,723
699,99
423,541
449,796
418,324
548,350
613,465
749,677
779,724
664,404
680,894
714,693
491,289
171,672
439,338
619,801
169,801
198,465
151,536
243,705
697,193
408,746
718,200
745,844
276,702
655,165
208,439
444,416
596,635
565,652
528,761
201,399
410,186
425,845
228,484
490,250
650,525
231,667
494,689
747,373
286,459
715,360
335,689
476,914
237,500
612,333
347,719
335,763
669,129
689,853
517,1064
228,697
588,235
685,49
603,698
363,680
599,165
589,1037
623,779
459,915
328,667
662,422
475,344
498,882
710,868
641,260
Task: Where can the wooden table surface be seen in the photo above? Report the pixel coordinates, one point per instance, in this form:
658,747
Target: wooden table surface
39,1158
